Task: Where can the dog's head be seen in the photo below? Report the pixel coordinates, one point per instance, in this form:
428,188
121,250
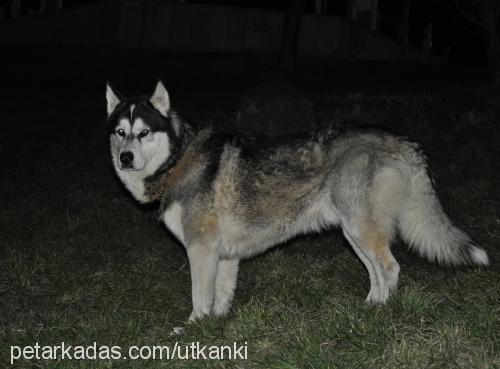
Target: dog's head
143,131
145,135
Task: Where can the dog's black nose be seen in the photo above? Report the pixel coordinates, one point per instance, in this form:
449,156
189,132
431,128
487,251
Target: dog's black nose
126,159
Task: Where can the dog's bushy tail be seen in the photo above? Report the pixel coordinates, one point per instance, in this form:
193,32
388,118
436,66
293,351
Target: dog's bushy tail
428,230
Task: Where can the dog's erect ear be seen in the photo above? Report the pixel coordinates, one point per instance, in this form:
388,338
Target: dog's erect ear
160,99
112,98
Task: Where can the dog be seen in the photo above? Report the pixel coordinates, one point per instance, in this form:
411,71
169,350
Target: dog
228,197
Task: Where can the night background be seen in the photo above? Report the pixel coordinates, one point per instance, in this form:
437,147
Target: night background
81,262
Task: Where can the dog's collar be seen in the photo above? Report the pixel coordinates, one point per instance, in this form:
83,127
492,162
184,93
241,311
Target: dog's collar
160,183
155,183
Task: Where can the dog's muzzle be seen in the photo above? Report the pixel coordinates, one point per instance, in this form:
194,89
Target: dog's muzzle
127,160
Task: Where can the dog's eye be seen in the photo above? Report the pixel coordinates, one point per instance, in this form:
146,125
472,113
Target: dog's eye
120,132
144,133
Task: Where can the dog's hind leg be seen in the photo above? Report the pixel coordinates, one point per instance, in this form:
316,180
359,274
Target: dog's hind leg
225,284
374,284
371,244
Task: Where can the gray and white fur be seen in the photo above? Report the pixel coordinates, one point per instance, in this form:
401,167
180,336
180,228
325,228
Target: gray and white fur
229,197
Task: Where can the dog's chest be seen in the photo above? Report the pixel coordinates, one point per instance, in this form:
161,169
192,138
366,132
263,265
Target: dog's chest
172,217
134,182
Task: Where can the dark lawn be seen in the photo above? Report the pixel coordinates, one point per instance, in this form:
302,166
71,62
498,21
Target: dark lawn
81,262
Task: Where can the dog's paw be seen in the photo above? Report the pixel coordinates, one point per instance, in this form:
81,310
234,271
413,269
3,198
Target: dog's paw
196,316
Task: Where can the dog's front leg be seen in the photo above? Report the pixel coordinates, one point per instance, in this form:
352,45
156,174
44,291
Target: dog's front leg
225,284
203,261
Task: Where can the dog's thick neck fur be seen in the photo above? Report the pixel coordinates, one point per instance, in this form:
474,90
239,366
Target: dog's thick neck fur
185,159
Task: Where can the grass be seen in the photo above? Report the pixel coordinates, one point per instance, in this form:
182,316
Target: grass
80,262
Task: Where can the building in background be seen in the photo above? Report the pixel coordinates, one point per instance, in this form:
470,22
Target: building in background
344,29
